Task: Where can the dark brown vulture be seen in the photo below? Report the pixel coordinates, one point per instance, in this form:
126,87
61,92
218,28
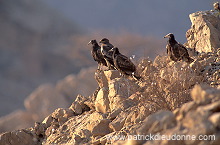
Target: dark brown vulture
216,6
176,51
96,53
123,64
106,49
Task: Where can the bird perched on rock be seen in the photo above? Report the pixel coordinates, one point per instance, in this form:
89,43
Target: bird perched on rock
123,64
106,49
176,51
96,53
216,6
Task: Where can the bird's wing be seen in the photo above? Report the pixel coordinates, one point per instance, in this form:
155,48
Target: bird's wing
99,54
182,50
106,51
168,47
93,53
175,51
184,55
125,63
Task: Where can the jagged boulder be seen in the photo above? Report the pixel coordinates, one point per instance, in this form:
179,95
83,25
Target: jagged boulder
102,101
204,34
114,91
18,137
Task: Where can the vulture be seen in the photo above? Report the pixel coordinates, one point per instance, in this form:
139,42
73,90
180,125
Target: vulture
176,51
123,64
96,53
106,50
216,6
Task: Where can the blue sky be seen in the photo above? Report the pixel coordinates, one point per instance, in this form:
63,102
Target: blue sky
146,17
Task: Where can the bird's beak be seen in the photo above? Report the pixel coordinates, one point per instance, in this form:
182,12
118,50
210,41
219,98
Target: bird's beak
166,36
89,42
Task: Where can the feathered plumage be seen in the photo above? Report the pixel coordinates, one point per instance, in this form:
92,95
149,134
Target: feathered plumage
216,6
123,63
176,51
96,53
106,50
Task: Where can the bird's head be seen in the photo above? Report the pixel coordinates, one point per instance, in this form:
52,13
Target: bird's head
92,42
104,41
170,36
216,5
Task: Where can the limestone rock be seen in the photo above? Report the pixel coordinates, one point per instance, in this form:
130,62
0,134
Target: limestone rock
101,79
202,94
84,133
143,64
18,137
82,100
119,90
47,121
102,101
114,114
118,122
187,107
212,108
76,139
157,122
101,128
112,74
215,119
160,61
61,115
76,108
205,32
94,119
195,118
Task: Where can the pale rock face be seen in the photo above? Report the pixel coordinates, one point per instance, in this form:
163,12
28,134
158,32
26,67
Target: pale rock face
18,137
101,128
101,79
102,101
157,122
114,92
110,75
118,122
203,94
120,89
215,119
204,34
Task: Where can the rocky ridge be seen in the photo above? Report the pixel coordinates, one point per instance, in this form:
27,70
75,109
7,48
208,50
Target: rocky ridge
171,98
